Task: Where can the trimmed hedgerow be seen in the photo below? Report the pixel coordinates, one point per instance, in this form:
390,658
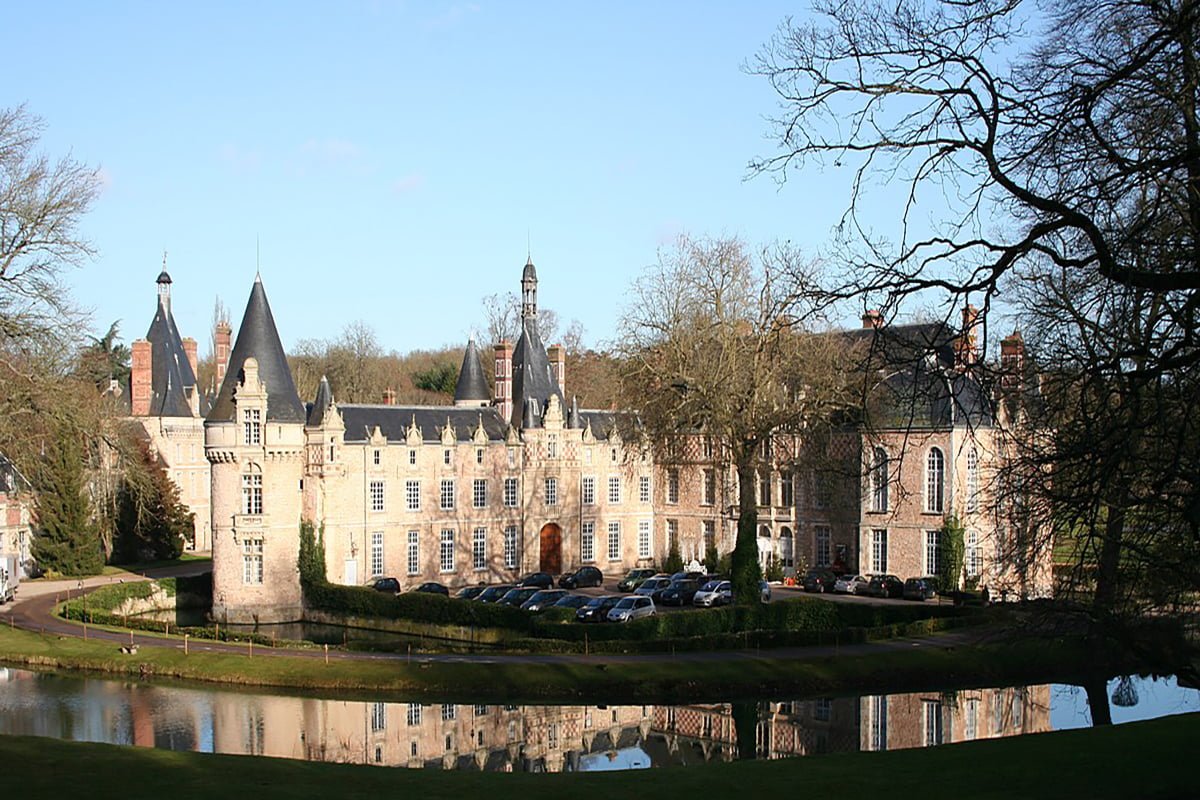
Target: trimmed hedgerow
436,609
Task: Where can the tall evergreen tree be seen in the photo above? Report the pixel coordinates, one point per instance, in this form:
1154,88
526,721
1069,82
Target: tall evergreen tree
67,541
152,522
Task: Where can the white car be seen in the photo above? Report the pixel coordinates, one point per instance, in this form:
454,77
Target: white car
850,584
714,593
652,585
628,609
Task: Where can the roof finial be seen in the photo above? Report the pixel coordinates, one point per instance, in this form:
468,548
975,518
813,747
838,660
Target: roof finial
528,247
164,259
257,260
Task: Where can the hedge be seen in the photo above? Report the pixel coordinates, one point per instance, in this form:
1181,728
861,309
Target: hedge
358,601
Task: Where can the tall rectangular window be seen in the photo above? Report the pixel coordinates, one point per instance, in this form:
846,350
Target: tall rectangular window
587,542
935,480
378,717
709,528
673,485
510,547
644,538
446,495
551,446
822,535
972,480
376,457
449,712
787,497
510,492
614,541
820,491
479,548
764,488
412,495
879,555
587,491
672,534
376,554
252,493
933,722
479,493
252,561
971,719
446,559
879,480
414,552
414,714
447,457
377,495
252,425
877,710
932,552
708,494
412,457
614,490
644,489
551,491
973,555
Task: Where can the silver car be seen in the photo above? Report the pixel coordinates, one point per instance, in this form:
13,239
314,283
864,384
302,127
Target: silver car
850,584
713,593
628,609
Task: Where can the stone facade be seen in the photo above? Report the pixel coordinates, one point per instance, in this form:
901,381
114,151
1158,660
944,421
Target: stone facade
16,515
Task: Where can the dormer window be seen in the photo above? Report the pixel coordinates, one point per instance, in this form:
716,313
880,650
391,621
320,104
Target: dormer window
552,446
446,456
252,426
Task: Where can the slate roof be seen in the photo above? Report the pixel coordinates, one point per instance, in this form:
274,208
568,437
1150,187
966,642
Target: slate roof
259,338
318,407
472,383
11,479
532,377
171,376
394,421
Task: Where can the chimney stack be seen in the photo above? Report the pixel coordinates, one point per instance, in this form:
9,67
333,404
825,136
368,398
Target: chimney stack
872,319
1012,362
389,396
966,351
189,347
221,334
558,366
503,390
139,378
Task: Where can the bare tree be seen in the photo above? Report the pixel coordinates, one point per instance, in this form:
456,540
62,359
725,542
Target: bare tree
1050,158
502,313
714,343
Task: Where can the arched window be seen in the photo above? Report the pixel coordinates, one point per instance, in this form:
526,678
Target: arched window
935,480
879,480
252,490
972,480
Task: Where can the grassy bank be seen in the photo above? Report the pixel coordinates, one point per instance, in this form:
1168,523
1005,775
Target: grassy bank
1143,760
897,667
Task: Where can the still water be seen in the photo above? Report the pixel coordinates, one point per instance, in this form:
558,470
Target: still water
538,738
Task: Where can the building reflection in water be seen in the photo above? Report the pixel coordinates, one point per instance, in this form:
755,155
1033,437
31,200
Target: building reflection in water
503,737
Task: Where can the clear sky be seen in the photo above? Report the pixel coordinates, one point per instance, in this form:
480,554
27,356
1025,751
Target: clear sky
393,159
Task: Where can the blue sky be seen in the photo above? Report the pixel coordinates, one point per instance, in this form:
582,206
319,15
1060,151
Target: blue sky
392,158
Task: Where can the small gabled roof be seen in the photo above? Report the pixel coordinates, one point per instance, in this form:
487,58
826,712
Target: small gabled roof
258,338
472,383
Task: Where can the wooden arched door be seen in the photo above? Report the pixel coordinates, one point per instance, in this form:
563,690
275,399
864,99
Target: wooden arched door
551,549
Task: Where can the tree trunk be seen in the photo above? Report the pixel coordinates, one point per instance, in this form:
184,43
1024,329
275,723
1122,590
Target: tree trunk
1097,697
746,572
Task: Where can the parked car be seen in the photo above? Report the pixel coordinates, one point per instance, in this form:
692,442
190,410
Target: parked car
633,579
433,588
543,599
819,580
653,587
628,609
389,585
680,592
492,594
884,586
597,608
542,580
517,596
581,578
470,592
919,589
850,584
713,593
573,601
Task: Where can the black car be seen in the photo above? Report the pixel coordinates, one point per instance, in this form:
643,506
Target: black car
884,586
680,592
596,609
582,577
919,589
819,580
470,592
573,601
542,580
515,597
433,588
389,585
492,594
543,599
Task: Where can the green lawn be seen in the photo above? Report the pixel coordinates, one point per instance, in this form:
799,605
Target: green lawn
1138,760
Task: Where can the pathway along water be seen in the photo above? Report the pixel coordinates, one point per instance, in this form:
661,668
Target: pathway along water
537,738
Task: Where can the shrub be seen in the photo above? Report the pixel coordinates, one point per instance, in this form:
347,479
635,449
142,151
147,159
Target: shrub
359,601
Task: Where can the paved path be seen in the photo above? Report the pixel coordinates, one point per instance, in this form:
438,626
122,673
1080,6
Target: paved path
33,611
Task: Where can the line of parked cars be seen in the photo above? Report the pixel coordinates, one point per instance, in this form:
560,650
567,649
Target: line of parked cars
826,580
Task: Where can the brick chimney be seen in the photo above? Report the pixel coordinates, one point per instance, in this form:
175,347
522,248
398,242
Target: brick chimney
1012,362
558,366
189,347
389,396
503,390
872,319
139,378
966,349
221,335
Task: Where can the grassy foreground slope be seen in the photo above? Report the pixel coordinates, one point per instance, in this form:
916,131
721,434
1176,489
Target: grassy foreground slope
1142,760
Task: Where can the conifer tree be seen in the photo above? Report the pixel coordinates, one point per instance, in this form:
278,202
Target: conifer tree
67,541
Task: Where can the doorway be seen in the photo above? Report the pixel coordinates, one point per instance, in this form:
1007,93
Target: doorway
551,549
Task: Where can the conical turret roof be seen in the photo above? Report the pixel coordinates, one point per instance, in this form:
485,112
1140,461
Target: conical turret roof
472,384
324,399
259,339
171,375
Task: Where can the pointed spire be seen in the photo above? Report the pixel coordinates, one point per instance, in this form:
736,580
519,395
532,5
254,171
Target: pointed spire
324,399
472,388
573,418
258,338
